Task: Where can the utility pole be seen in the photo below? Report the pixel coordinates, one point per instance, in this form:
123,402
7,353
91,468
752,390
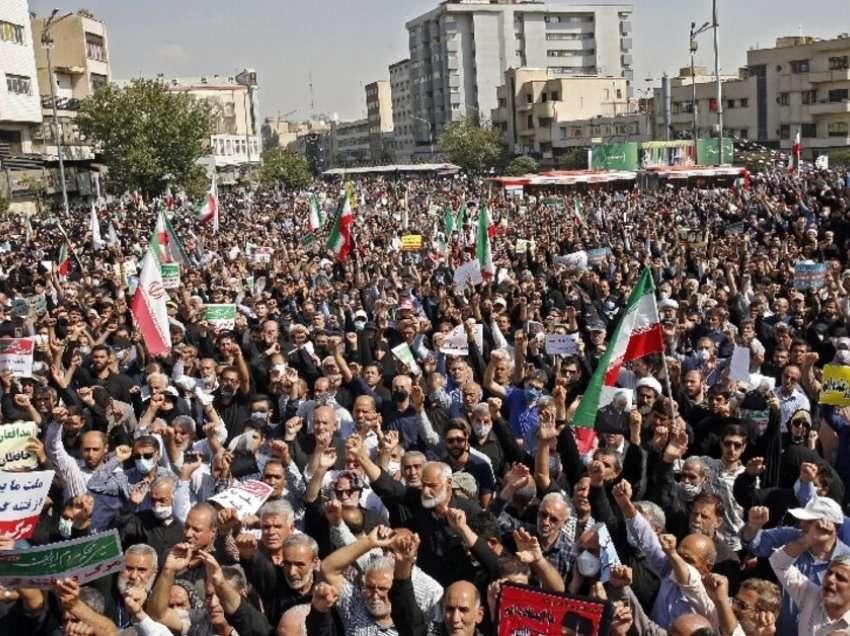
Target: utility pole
47,44
717,78
694,105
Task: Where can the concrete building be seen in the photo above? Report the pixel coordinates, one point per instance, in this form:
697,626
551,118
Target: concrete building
283,133
80,57
620,128
20,104
350,143
235,140
402,146
535,108
379,112
460,51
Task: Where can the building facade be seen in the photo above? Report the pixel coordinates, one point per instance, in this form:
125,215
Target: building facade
402,145
460,51
20,104
379,112
349,143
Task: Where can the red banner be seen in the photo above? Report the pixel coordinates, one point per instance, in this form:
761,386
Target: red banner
527,610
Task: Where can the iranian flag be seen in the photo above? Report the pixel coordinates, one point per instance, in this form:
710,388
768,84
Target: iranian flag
148,307
637,335
63,263
482,242
165,245
317,215
579,210
795,153
209,209
339,240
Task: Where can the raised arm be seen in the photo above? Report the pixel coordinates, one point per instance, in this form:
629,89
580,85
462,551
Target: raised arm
335,564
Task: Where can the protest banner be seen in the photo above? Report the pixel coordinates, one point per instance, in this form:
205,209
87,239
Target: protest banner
14,438
809,275
575,260
735,229
524,245
16,355
244,497
220,316
262,255
23,495
534,327
411,242
29,307
835,389
170,275
84,559
560,344
469,272
405,356
598,256
455,343
529,610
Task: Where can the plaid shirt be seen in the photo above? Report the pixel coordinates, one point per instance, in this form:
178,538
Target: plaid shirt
562,554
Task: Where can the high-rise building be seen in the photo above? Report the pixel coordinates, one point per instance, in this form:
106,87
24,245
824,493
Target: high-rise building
402,148
20,104
460,51
379,112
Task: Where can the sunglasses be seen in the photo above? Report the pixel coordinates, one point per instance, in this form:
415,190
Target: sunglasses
144,455
455,440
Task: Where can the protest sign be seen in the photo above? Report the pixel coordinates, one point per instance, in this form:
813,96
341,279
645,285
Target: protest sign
523,246
598,256
220,316
809,275
244,497
411,242
607,552
575,260
455,343
534,327
262,255
739,367
29,307
16,355
469,272
835,389
23,496
560,344
529,610
13,446
405,356
170,275
85,559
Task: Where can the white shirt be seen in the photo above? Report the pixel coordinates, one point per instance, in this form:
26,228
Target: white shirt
812,619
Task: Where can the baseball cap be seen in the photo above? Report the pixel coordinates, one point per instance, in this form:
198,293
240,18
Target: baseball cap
360,314
819,508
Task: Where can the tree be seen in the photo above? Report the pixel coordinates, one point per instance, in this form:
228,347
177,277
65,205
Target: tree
285,167
521,165
839,158
147,135
473,147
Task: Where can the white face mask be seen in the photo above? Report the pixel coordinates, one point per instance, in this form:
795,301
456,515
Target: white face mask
145,466
481,430
588,564
393,467
162,512
65,527
689,491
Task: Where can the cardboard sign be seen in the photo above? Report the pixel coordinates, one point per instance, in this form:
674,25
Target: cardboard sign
528,610
560,344
524,245
809,275
469,272
85,559
262,255
23,496
245,497
739,366
835,389
411,242
16,355
29,307
13,442
405,356
170,275
457,344
220,316
598,256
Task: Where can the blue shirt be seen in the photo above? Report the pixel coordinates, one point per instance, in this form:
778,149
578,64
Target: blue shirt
522,415
766,542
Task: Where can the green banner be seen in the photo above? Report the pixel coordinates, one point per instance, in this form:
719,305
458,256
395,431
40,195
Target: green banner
615,156
707,154
220,316
85,559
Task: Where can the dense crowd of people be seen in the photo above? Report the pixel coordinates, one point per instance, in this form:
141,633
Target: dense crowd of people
406,493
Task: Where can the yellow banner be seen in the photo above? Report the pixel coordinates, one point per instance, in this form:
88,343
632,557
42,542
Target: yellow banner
836,385
411,242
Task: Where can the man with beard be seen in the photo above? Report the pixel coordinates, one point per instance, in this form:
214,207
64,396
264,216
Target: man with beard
282,569
75,474
325,436
231,400
99,374
140,568
460,459
706,517
160,526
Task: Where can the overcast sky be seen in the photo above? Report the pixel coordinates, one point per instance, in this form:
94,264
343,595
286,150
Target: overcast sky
349,43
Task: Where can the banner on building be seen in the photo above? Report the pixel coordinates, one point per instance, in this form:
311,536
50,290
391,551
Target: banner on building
615,156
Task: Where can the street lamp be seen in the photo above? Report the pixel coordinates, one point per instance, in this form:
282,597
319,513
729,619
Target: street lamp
248,79
716,26
693,49
47,45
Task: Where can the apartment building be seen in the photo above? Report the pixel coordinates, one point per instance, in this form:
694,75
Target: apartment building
379,113
350,143
402,145
20,105
460,51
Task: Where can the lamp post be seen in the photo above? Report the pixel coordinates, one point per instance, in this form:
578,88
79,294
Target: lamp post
47,45
693,49
716,26
248,79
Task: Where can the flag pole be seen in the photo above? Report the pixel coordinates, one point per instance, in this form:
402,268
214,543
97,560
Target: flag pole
70,246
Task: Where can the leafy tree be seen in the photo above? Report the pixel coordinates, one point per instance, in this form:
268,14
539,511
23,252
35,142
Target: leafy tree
285,167
521,165
473,147
839,158
147,134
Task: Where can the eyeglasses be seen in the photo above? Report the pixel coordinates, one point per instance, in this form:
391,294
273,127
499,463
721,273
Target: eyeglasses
758,607
144,455
733,445
455,440
345,492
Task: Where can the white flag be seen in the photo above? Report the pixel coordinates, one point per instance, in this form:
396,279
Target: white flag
94,227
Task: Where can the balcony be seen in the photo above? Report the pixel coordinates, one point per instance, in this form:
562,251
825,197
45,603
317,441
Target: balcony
544,110
840,75
830,108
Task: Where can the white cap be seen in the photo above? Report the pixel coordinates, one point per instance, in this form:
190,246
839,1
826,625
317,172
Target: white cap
668,303
650,382
820,508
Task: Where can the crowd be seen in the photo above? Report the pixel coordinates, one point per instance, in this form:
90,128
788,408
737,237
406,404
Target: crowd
407,492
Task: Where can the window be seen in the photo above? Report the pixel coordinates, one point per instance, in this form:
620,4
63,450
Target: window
838,95
730,103
544,97
783,99
503,102
745,133
97,82
837,129
95,49
529,98
808,130
11,32
530,122
553,96
809,97
18,84
785,131
745,102
800,66
839,62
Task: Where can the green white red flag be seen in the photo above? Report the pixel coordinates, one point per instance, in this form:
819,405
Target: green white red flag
482,242
638,334
317,214
340,241
149,308
209,209
63,263
165,244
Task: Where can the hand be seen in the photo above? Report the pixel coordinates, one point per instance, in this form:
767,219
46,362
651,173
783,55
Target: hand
547,431
351,339
495,405
214,573
596,471
280,449
758,517
755,466
293,425
406,547
134,600
773,403
820,531
187,470
228,519
68,591
620,576
622,493
417,396
668,543
138,492
388,441
23,400
325,596
59,414
381,537
327,458
808,472
156,402
123,453
517,477
528,549
456,518
333,512
660,437
622,620
246,543
35,447
717,588
179,557
635,421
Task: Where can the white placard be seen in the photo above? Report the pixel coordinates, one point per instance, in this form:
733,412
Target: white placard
739,366
245,497
16,355
23,496
560,344
468,272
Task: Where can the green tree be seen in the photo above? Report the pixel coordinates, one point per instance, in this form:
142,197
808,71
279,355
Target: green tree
473,147
839,158
521,165
147,134
285,168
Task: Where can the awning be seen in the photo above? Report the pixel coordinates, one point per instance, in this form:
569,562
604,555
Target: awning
410,167
567,177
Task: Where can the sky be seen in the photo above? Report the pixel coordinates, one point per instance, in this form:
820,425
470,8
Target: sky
346,44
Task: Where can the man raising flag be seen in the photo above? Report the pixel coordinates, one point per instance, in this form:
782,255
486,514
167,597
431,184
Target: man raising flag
149,309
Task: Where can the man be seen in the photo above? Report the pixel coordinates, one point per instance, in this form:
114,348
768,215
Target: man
458,456
99,373
706,518
140,568
157,526
324,435
282,569
791,396
231,400
484,440
323,396
93,451
825,608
